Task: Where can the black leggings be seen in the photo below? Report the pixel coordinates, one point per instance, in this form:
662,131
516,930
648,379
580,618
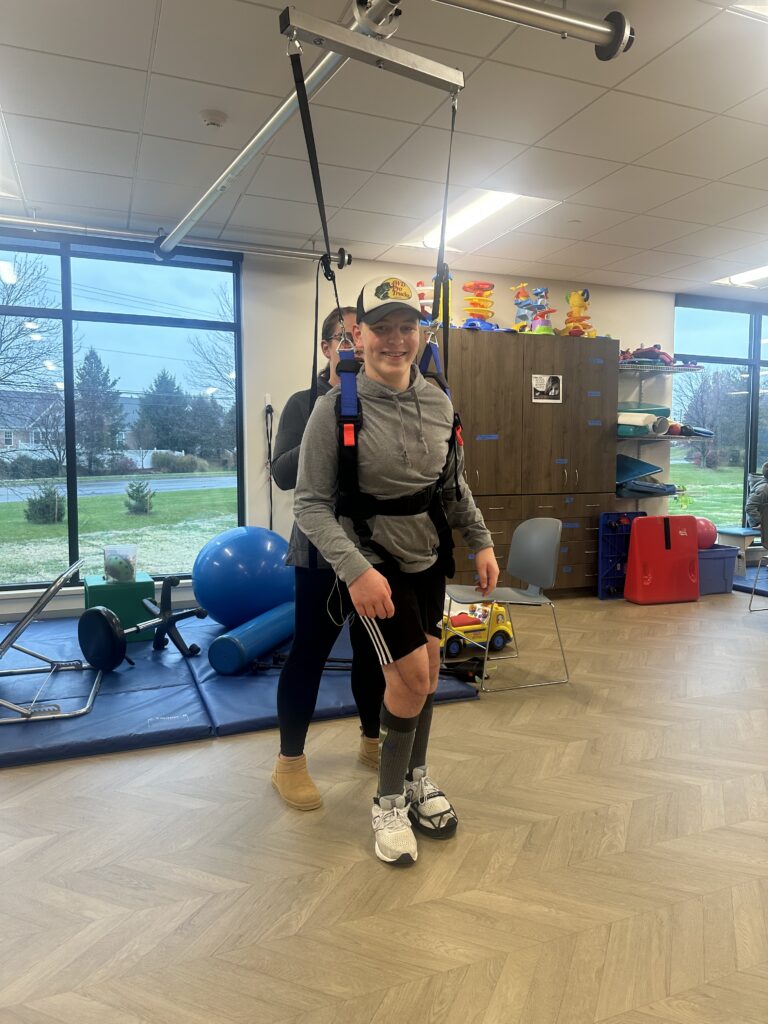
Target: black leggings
314,637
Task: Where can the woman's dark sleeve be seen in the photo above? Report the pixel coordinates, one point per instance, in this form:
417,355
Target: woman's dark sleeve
290,430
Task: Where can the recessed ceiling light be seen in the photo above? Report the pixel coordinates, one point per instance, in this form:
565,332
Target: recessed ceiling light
49,365
476,210
31,325
35,337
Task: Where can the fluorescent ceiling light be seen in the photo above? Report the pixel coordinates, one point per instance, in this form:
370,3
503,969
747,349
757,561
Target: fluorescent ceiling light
9,182
31,325
59,385
755,10
210,391
49,365
8,274
747,279
35,337
478,217
479,209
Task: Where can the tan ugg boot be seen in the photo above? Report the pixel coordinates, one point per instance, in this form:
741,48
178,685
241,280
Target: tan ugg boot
369,752
294,783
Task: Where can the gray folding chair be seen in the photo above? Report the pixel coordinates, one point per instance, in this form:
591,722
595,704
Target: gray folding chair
533,556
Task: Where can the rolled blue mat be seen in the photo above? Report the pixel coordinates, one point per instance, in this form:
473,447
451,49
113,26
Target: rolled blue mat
232,652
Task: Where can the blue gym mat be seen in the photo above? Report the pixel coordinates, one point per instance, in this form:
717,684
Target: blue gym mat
165,698
249,702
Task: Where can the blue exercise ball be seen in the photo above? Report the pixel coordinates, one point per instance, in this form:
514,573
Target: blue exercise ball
241,573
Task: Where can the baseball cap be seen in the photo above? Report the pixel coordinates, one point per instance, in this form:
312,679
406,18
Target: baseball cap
384,295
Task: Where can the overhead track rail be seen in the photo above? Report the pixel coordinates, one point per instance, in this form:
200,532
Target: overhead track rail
611,37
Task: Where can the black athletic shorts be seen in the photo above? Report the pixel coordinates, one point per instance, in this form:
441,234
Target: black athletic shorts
418,598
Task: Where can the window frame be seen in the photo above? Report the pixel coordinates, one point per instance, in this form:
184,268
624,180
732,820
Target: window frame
66,247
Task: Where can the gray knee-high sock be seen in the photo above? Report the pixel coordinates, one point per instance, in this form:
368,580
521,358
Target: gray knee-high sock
421,739
395,743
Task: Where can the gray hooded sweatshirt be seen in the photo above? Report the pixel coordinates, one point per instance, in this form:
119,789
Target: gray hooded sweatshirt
402,448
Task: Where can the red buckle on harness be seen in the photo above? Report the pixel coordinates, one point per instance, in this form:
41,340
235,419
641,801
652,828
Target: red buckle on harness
349,435
459,438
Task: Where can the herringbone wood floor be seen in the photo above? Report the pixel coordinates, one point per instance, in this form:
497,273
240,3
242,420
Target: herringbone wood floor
611,864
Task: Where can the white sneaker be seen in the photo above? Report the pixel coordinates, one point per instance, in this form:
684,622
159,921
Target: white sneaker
428,808
395,842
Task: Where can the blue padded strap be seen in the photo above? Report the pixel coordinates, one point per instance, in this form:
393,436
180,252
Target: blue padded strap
348,382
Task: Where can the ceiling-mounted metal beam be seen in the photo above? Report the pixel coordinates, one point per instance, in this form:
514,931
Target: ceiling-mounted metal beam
307,29
379,15
612,36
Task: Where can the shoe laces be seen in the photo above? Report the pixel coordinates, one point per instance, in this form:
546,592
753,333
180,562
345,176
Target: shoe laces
394,820
424,789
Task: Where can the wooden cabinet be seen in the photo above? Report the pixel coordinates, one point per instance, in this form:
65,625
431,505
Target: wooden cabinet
527,458
484,368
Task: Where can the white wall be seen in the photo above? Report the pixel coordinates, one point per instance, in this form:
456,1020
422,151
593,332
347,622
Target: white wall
279,296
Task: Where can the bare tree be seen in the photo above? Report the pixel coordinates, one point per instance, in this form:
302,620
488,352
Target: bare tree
24,351
214,354
50,426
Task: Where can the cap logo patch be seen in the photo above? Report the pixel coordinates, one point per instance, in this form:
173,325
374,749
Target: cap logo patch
394,290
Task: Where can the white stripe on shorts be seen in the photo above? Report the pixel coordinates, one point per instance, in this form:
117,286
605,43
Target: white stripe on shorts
382,651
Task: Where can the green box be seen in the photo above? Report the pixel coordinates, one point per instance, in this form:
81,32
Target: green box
124,599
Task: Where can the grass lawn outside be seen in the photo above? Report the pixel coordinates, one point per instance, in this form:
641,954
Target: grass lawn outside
713,493
168,539
144,474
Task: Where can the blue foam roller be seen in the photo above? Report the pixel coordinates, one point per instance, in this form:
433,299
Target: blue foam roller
232,652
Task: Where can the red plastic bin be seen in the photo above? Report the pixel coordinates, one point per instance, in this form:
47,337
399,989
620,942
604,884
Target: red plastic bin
663,562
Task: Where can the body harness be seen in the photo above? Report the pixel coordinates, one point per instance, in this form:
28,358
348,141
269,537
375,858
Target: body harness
351,502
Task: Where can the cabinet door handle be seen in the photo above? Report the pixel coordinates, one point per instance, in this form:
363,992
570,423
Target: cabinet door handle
545,506
565,475
477,474
495,508
577,478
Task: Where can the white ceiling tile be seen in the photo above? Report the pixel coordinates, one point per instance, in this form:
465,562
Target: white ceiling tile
155,225
226,43
169,202
713,203
278,215
110,31
254,236
645,232
754,220
281,178
174,108
450,29
668,284
347,139
709,242
708,270
614,278
516,246
371,227
73,146
756,255
75,188
594,254
357,250
571,220
86,217
719,64
64,89
185,163
739,143
410,256
473,159
402,197
657,24
753,109
655,263
477,263
12,207
622,127
540,172
755,175
331,10
576,276
485,109
637,189
362,88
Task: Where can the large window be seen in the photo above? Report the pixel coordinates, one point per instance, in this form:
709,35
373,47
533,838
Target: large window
722,397
118,405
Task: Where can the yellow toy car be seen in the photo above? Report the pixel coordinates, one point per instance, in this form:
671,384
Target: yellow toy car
474,626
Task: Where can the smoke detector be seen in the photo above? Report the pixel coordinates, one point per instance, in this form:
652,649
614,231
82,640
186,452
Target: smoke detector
213,118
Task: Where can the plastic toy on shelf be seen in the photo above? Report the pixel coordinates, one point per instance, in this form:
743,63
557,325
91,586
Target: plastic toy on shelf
478,304
577,321
525,307
542,311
